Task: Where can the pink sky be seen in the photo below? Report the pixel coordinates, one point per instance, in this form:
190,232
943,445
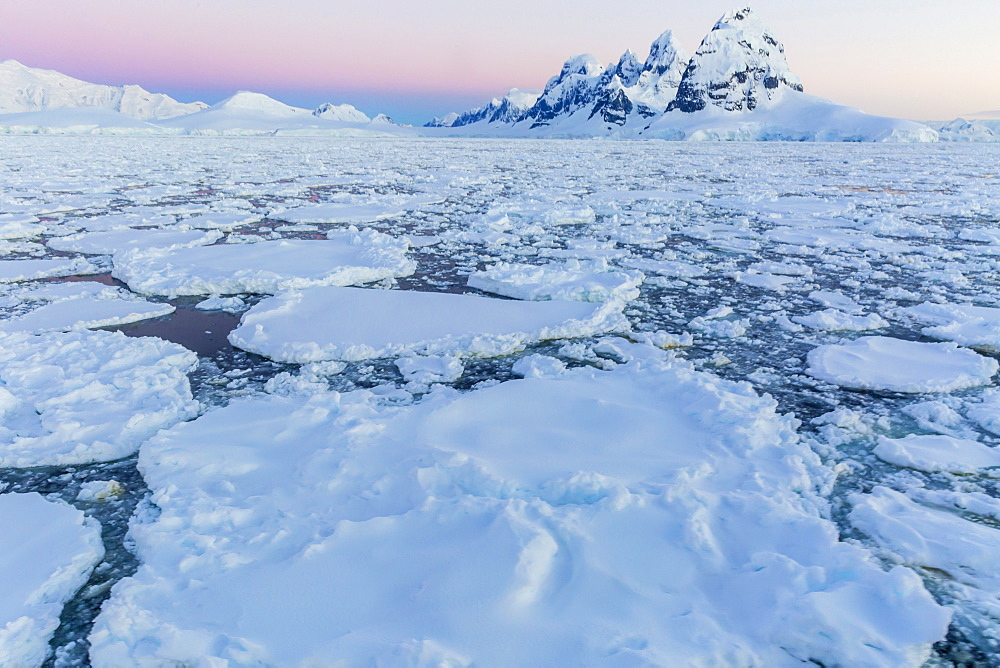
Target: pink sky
904,58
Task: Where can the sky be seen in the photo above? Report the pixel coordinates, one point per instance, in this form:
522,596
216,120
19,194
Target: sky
415,60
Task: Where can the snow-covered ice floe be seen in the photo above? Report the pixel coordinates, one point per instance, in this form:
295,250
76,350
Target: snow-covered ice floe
574,280
895,365
60,307
12,271
937,452
346,258
47,550
673,520
326,323
965,324
114,241
70,398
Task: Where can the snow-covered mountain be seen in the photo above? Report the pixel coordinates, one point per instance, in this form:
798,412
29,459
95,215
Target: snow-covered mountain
340,112
586,95
739,65
27,89
737,86
507,109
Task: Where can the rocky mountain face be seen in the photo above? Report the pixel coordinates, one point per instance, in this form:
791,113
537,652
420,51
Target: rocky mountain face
739,66
28,89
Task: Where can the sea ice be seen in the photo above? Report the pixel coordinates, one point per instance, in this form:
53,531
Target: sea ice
671,520
47,550
938,453
267,267
87,396
895,365
354,324
84,313
12,271
574,280
114,241
965,324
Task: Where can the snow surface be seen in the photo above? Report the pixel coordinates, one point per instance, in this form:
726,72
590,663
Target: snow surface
938,453
47,550
114,241
29,89
296,531
885,363
863,229
12,271
588,282
268,267
84,313
965,324
76,397
364,324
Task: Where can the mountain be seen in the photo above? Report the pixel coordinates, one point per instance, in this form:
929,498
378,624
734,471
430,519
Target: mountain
508,109
28,89
340,112
586,97
739,65
981,130
737,86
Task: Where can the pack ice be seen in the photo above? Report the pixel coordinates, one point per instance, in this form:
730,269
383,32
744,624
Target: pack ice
651,514
47,550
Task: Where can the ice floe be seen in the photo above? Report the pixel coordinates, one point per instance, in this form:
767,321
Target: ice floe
268,267
114,241
12,271
938,453
47,550
573,280
895,365
965,324
673,516
364,324
69,398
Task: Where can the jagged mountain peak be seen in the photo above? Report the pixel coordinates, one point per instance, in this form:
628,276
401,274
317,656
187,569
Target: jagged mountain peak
628,69
738,66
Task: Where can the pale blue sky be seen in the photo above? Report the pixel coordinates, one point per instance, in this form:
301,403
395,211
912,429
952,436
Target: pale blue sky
416,59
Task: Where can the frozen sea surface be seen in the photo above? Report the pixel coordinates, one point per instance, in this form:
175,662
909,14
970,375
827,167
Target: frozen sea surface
855,285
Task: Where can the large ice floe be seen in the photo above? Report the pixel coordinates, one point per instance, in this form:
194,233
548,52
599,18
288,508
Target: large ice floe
346,258
650,514
364,324
69,398
885,363
47,550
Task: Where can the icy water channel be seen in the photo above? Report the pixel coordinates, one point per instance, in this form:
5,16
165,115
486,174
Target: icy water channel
752,255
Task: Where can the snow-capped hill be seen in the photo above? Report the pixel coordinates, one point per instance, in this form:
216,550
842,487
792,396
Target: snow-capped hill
382,119
28,89
340,112
739,65
247,101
